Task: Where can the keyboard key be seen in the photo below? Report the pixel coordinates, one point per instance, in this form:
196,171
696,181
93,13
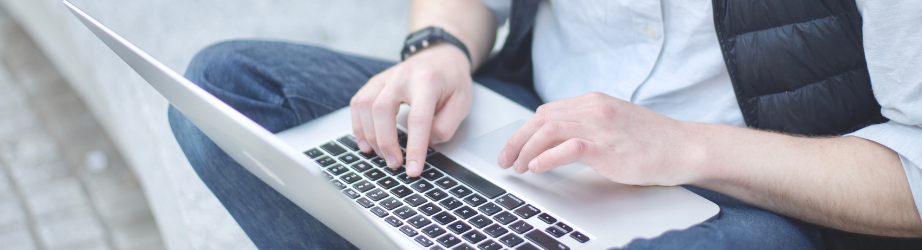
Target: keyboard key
352,194
361,166
401,191
547,218
566,229
338,184
489,245
348,158
465,212
545,241
406,179
391,203
388,183
401,133
404,212
419,221
380,162
446,183
490,208
327,175
511,240
460,191
332,148
504,218
421,186
374,174
337,170
429,209
325,161
520,226
380,212
475,200
480,221
444,218
396,171
350,178
556,232
474,237
365,202
313,153
527,211
579,237
408,231
402,140
527,246
448,240
430,151
393,221
495,230
463,247
431,174
376,194
509,201
415,200
370,155
436,195
423,241
459,227
450,203
434,231
464,175
363,186
349,142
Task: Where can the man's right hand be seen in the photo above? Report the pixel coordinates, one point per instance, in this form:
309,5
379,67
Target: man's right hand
436,83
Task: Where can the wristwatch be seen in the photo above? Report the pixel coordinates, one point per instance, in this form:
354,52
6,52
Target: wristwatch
428,36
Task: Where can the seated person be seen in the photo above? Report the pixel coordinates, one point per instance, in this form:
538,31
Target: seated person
645,92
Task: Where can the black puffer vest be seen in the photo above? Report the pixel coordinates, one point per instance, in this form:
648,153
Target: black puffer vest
797,66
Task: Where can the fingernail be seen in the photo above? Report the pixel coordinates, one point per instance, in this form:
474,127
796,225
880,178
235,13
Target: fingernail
412,167
390,160
502,158
515,165
533,165
363,145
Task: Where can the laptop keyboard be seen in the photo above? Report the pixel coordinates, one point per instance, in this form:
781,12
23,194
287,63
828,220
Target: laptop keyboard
447,207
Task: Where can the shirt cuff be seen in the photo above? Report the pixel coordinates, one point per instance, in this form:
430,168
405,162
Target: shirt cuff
904,140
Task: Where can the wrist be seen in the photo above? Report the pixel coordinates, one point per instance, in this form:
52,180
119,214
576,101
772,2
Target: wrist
696,154
447,54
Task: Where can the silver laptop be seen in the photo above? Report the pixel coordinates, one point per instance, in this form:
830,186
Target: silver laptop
463,200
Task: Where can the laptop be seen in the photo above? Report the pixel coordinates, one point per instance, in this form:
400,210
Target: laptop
463,200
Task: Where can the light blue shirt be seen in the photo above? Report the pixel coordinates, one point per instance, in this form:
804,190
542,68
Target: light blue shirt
664,55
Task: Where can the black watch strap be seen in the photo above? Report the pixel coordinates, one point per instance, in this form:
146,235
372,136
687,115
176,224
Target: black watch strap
428,36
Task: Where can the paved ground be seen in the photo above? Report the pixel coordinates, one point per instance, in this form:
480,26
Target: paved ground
62,183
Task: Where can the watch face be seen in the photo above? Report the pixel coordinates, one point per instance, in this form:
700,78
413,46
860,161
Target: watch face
419,36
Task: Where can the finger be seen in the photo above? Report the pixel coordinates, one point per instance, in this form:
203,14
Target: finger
548,136
384,112
511,150
569,151
419,125
357,128
449,116
570,103
363,108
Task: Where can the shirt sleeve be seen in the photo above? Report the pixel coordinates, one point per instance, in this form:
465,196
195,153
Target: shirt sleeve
891,37
500,9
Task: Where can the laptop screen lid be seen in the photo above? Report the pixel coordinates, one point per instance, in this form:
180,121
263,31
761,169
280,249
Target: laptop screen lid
265,155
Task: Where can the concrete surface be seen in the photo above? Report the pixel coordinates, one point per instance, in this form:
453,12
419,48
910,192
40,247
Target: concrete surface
62,183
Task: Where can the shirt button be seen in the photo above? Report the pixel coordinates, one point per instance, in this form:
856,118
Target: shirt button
650,32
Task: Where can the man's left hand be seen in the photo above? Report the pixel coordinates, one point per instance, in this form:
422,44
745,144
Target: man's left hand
622,141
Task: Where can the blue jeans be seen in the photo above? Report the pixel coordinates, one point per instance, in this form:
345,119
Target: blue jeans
281,85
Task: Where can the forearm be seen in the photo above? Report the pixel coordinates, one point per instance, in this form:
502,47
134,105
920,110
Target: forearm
469,21
847,183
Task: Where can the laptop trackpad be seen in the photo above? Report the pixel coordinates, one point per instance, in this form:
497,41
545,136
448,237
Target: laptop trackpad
488,146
